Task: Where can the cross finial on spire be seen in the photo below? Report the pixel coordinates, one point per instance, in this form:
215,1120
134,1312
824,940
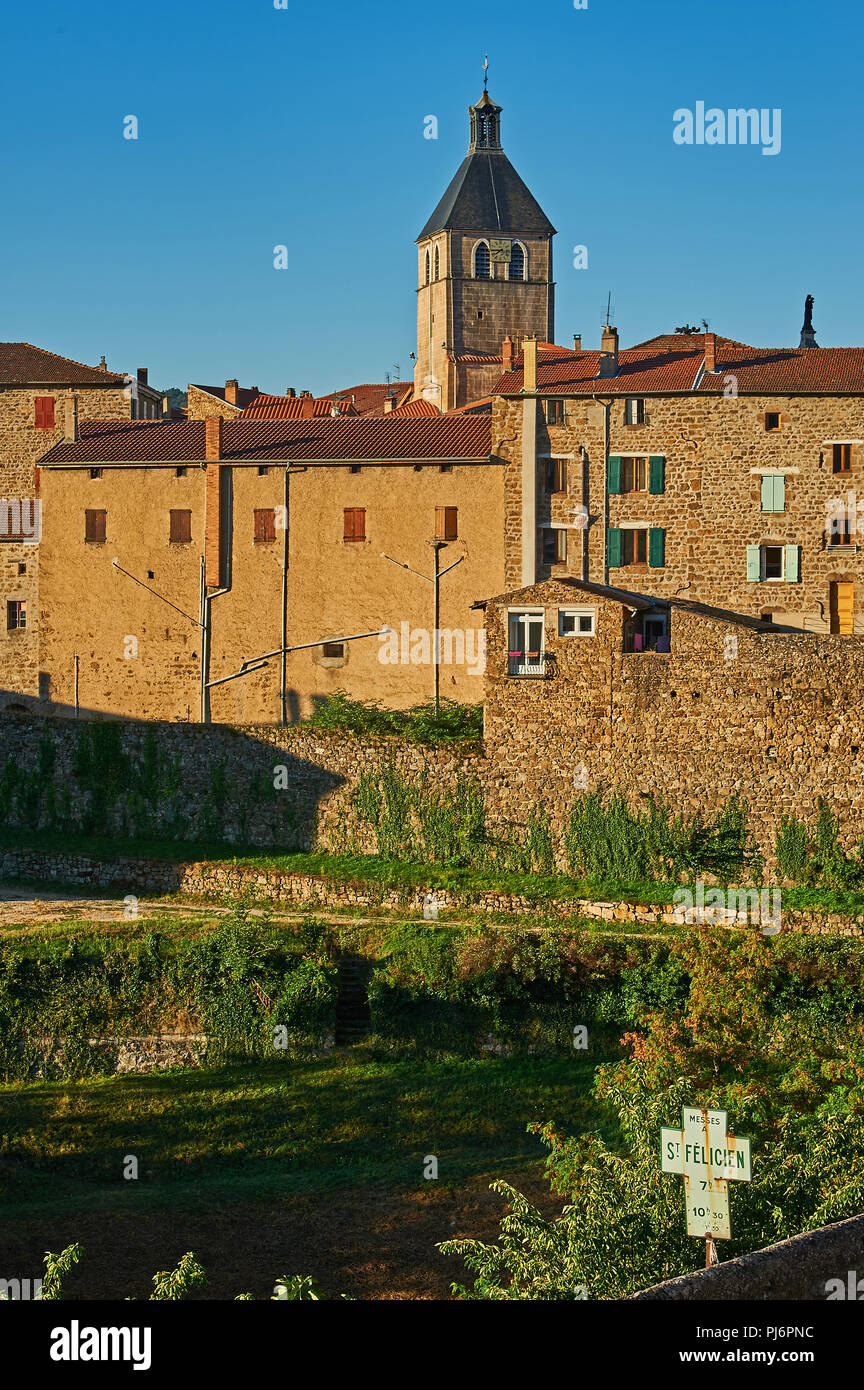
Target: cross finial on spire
486,73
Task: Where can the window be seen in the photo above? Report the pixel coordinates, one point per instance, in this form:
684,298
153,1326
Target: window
555,413
22,568
16,614
437,263
841,522
634,411
265,525
517,261
773,492
180,472
43,417
576,622
355,524
634,547
634,475
842,456
556,475
333,651
772,562
525,644
95,526
428,276
772,420
263,470
180,527
554,545
446,523
95,472
482,263
445,468
354,468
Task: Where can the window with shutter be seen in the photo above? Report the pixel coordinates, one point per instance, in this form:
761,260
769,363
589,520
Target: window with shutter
95,526
446,523
265,524
656,547
44,412
614,473
792,564
656,474
355,524
754,564
180,527
773,492
613,546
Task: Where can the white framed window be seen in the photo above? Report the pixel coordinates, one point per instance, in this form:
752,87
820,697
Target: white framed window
526,642
634,410
577,622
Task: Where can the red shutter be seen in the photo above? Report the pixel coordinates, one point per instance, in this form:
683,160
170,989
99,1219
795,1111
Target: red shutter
265,524
95,525
180,526
354,524
43,416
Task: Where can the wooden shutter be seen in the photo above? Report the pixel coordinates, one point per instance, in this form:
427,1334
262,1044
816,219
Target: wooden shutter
792,566
754,568
94,525
656,547
265,524
656,474
180,526
446,523
615,473
613,546
355,524
773,492
44,412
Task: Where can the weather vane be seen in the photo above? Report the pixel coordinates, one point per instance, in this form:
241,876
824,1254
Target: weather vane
486,73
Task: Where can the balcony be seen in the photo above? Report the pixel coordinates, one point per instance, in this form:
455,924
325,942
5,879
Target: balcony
536,664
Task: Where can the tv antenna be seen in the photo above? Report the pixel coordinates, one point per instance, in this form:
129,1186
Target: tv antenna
608,310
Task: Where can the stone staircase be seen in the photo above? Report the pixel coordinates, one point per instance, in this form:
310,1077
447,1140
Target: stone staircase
352,1004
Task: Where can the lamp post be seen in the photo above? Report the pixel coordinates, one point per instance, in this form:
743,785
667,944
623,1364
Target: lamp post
435,581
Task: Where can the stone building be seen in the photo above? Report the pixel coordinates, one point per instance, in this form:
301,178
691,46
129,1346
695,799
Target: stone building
484,272
692,464
42,396
172,553
592,688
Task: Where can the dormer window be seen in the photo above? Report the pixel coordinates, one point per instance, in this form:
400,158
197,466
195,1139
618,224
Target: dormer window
482,263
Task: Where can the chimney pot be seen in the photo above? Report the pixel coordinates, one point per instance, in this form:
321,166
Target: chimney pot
103,365
213,439
577,342
71,422
710,352
142,376
231,389
289,391
608,351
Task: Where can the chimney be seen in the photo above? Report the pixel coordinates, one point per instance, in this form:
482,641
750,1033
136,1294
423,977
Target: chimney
710,352
577,342
507,353
307,406
289,391
529,371
231,389
306,395
71,423
389,404
609,351
142,376
213,439
166,407
103,365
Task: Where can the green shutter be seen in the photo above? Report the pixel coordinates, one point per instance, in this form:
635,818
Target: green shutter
615,473
656,547
656,474
793,564
773,492
613,546
754,567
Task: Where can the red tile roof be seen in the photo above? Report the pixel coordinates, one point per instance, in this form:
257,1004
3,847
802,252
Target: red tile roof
775,371
21,364
460,438
689,342
481,407
416,408
369,399
266,407
639,371
245,394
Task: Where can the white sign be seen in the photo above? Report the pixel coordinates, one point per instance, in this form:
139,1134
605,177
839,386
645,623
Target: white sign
708,1157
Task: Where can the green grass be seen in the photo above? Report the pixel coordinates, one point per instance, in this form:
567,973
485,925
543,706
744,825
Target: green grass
249,1131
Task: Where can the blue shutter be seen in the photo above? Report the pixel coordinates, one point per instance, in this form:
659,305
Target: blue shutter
792,567
656,548
656,474
754,564
615,473
773,492
613,546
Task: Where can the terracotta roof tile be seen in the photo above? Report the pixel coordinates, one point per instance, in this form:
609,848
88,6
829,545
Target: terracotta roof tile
462,438
21,364
416,408
266,407
774,371
245,394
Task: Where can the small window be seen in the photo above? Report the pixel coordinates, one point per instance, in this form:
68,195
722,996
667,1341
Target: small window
576,622
333,651
95,472
772,562
180,527
841,524
445,468
634,546
525,644
355,524
16,614
95,523
517,261
482,263
634,411
180,472
772,420
22,568
446,523
437,263
43,416
842,457
263,470
556,475
634,475
555,414
554,545
354,468
265,525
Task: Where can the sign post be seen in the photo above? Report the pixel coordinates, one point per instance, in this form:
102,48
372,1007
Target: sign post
708,1157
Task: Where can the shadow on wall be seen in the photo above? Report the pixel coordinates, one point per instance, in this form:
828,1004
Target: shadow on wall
127,779
16,702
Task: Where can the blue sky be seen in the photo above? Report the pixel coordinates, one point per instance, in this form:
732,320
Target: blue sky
304,127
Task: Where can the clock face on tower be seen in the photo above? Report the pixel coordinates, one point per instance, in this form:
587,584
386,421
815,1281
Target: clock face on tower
499,251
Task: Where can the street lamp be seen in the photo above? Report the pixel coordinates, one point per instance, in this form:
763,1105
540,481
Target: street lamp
435,581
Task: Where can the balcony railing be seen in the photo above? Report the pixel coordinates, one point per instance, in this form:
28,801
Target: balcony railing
527,664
